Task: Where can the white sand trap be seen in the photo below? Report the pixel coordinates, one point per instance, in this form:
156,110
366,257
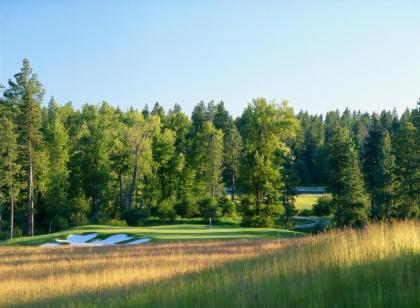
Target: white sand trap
50,245
139,241
78,239
112,240
82,240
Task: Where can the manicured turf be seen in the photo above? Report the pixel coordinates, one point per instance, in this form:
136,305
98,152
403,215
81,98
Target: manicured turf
306,202
165,233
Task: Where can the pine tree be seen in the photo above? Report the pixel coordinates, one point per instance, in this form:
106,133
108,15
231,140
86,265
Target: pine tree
9,167
345,179
407,158
379,167
206,160
233,146
27,91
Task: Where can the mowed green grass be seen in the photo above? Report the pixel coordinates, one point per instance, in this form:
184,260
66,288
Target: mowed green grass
306,202
164,233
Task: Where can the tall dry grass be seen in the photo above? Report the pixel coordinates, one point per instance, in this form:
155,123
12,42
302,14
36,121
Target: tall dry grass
37,274
375,267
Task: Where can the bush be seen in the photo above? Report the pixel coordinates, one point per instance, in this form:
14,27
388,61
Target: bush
208,208
305,213
81,208
228,207
262,219
166,211
187,208
114,222
136,216
324,206
4,236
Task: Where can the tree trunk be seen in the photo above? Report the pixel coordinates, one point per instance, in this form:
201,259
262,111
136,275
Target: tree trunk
132,186
122,205
233,183
30,194
95,209
257,201
12,214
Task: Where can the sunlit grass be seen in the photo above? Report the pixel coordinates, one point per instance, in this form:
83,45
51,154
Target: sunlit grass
307,201
164,233
375,267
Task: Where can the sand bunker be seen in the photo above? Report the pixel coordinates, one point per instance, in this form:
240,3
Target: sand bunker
139,241
113,239
83,240
77,239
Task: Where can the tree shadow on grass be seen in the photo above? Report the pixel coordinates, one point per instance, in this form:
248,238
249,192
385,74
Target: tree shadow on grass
392,282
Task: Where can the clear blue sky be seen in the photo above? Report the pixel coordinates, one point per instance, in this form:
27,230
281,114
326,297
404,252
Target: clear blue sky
320,55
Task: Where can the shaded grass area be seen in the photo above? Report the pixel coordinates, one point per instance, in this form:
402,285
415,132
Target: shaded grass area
164,233
376,267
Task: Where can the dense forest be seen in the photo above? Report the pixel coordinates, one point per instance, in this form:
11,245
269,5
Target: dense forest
62,167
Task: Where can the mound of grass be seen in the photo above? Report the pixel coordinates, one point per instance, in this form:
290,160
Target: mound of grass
164,233
307,201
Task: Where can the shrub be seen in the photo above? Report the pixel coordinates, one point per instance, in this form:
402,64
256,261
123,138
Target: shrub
166,211
81,208
305,212
228,207
208,208
136,216
187,207
324,206
114,222
263,218
4,236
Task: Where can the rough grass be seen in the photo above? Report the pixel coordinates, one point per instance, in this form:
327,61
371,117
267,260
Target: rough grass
376,267
34,276
164,233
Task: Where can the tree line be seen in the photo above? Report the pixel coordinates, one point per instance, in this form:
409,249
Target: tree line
63,167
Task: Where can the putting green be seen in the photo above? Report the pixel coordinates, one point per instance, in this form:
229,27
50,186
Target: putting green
163,233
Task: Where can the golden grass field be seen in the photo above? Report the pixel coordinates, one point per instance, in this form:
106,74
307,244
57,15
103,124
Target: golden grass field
34,274
375,267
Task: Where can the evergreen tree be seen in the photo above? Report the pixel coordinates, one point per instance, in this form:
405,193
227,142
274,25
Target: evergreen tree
407,158
9,167
379,167
27,92
233,147
206,159
345,179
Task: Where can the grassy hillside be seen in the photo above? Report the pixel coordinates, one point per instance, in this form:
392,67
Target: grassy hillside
306,202
164,233
377,267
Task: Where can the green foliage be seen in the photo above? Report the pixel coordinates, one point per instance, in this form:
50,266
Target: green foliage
136,216
166,211
209,208
227,207
94,164
187,207
324,206
81,208
345,180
